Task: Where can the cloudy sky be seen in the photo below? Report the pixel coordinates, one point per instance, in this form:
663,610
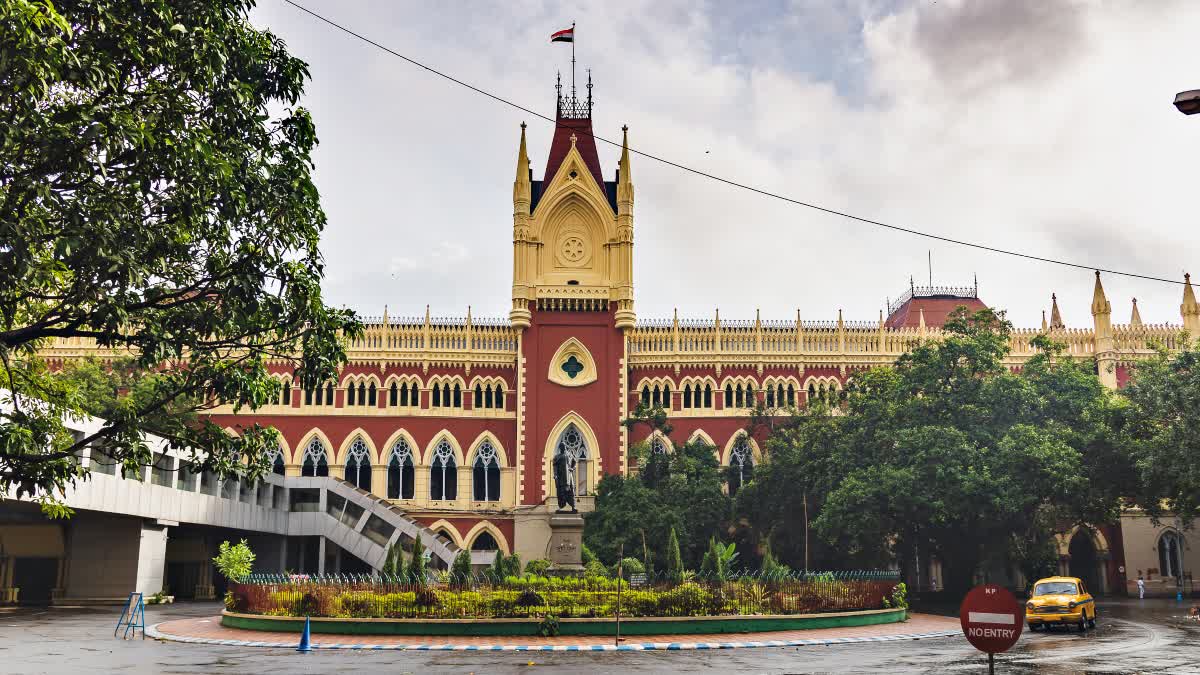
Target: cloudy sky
1045,127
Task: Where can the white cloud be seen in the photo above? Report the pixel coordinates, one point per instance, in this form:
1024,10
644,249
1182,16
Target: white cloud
1044,127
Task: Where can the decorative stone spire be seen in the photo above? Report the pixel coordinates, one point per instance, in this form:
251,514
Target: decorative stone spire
1106,357
624,177
1056,321
1189,309
521,186
385,316
1135,319
1100,304
921,321
1045,327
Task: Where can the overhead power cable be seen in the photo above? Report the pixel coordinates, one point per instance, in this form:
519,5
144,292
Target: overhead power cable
720,179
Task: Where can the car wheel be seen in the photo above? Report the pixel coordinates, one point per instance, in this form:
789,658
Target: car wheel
1035,627
1092,621
1083,621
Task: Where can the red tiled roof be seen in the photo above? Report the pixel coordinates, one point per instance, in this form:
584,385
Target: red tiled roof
584,143
936,309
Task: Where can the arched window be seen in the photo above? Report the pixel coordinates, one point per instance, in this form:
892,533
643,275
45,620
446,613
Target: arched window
489,398
479,401
779,395
666,400
708,396
394,396
572,444
791,396
812,391
457,396
770,397
485,474
414,399
329,394
729,396
320,396
687,396
372,396
400,472
437,396
657,446
646,395
277,462
443,473
315,462
656,399
285,396
308,397
1169,545
358,465
741,465
500,397
350,394
739,397
485,542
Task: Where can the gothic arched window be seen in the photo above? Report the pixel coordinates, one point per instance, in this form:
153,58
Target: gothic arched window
729,396
791,396
485,542
770,397
457,396
646,395
394,396
572,444
741,465
499,397
708,396
437,397
1168,554
666,399
687,396
372,396
358,465
414,398
315,462
277,462
479,400
400,472
657,446
485,474
443,473
329,394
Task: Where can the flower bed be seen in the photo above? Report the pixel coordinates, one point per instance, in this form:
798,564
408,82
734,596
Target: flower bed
562,597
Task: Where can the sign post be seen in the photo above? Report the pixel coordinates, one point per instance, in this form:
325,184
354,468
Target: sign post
992,620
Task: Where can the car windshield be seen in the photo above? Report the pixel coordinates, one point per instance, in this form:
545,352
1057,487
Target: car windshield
1055,588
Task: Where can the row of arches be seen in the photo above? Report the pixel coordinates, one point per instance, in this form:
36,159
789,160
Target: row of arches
739,456
740,392
402,464
400,392
484,536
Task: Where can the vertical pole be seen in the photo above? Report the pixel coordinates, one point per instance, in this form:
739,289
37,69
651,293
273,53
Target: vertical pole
572,59
992,662
620,578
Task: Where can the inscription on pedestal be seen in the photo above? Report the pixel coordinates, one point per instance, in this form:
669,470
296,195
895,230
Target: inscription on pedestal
566,541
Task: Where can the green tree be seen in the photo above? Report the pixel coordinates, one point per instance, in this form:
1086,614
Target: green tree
234,561
1159,428
950,453
674,559
418,566
393,563
683,492
460,570
155,197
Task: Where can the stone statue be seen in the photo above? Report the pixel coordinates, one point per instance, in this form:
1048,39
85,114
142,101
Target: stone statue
563,484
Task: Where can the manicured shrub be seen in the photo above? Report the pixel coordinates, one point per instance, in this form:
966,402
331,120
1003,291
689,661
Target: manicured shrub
460,571
593,569
530,598
539,567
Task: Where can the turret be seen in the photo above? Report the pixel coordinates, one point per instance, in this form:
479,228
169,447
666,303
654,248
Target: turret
1056,322
1190,310
1106,357
1135,318
625,316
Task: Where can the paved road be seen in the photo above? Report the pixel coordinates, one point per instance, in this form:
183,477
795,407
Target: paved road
1132,636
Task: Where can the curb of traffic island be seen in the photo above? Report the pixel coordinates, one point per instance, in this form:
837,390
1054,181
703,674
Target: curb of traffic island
153,632
529,627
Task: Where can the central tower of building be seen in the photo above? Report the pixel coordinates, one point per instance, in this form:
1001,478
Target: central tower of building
572,303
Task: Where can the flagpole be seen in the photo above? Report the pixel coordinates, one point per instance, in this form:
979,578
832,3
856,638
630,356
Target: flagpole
572,59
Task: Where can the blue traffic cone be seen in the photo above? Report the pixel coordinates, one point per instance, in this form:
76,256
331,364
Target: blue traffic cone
304,637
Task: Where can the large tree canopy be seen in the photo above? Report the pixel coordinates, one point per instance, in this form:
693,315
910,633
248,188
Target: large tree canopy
156,197
950,453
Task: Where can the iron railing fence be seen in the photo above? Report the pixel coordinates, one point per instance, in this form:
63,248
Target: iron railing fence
376,596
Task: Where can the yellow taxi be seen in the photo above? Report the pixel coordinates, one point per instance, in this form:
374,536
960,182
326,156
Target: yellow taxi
1060,600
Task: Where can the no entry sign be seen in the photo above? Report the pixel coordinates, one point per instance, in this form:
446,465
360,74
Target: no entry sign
991,618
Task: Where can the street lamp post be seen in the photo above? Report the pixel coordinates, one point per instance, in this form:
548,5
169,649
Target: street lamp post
1188,102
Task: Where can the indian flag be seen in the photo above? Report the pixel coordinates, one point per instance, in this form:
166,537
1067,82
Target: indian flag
565,35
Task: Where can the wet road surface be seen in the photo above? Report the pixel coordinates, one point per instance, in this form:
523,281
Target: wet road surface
1132,636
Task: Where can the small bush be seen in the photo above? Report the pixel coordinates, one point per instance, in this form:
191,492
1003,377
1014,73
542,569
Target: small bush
549,626
426,597
539,567
530,598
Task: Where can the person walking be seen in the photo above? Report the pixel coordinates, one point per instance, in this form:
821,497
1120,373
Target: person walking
1141,587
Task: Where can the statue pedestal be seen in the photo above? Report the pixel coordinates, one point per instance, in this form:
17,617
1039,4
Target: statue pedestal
566,542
